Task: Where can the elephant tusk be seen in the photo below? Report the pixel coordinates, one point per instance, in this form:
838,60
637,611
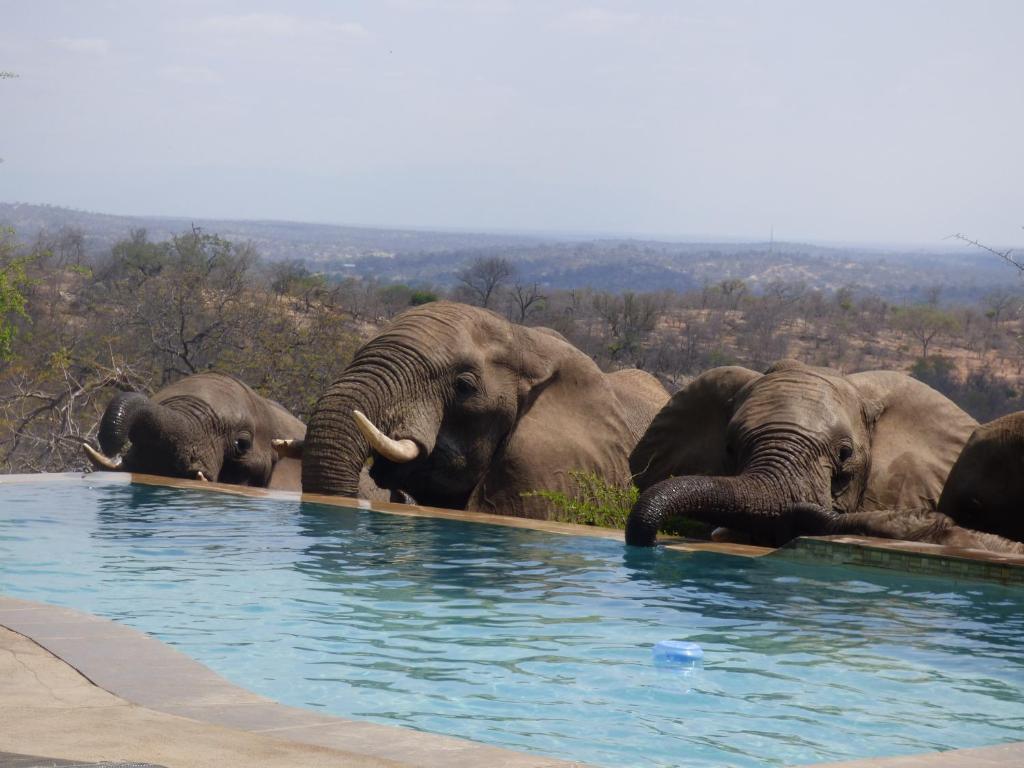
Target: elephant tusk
398,451
288,449
200,476
99,460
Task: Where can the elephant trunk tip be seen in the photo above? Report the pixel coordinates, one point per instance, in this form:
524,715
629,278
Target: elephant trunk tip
117,420
644,519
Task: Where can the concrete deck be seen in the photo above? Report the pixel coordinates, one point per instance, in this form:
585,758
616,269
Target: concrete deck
47,708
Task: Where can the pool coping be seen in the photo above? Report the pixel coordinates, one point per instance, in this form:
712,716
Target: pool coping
167,680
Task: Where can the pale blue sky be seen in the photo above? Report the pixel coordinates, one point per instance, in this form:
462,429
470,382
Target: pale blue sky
898,121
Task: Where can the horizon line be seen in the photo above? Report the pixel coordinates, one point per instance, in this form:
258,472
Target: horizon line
565,235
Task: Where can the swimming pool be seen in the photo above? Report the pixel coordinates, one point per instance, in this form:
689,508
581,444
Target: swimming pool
528,640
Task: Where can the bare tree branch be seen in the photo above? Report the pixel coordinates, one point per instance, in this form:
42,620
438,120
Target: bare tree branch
1004,255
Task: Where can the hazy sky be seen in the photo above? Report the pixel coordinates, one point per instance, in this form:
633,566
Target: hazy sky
846,120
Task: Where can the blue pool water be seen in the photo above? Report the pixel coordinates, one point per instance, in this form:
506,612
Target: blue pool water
530,641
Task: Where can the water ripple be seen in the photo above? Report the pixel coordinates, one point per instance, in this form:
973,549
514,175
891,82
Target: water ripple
530,641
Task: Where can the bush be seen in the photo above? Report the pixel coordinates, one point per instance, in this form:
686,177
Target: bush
595,502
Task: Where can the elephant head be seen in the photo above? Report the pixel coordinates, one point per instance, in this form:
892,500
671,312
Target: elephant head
985,488
459,408
740,449
208,426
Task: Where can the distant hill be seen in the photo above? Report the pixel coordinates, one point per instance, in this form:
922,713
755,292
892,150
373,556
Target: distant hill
276,240
434,257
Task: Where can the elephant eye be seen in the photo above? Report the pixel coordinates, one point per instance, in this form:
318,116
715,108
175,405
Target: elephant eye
243,444
845,452
465,385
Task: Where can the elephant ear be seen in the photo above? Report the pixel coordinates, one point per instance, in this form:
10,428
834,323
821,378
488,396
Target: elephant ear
687,437
569,419
916,436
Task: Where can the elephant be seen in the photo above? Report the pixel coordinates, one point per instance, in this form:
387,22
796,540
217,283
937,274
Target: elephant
985,487
793,451
208,426
459,408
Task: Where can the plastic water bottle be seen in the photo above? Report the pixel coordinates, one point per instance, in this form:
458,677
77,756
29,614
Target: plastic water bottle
678,654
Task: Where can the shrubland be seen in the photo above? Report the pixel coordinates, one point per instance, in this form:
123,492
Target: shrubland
77,326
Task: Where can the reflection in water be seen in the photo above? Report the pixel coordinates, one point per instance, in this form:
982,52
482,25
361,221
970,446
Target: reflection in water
529,640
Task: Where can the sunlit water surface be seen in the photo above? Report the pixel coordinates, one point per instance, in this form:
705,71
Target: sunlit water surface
530,641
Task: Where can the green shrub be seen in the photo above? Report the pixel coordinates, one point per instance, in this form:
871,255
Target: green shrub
598,502
595,501
422,297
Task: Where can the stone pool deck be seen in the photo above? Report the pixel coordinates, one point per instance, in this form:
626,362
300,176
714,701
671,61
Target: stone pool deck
75,687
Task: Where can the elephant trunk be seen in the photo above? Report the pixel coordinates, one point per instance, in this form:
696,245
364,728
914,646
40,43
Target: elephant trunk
336,448
750,502
115,427
162,438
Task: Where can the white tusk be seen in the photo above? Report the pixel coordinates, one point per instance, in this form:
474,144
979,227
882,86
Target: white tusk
99,460
288,449
398,451
202,477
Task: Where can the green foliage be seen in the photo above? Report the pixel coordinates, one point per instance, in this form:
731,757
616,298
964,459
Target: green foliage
598,502
924,323
595,502
422,297
937,371
292,278
136,258
14,281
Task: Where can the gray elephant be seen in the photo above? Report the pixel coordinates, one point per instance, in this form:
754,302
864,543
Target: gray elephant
208,426
985,488
461,409
791,451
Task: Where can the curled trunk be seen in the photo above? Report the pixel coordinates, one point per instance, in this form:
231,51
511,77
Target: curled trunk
163,439
335,449
746,502
115,427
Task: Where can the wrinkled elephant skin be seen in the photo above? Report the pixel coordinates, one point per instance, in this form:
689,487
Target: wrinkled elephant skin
462,409
208,426
741,449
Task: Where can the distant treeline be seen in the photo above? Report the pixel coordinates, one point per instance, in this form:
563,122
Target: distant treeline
77,326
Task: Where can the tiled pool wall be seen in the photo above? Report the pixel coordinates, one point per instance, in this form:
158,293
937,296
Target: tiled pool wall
908,557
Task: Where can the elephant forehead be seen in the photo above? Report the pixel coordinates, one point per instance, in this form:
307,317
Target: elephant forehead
208,386
441,338
798,397
444,316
